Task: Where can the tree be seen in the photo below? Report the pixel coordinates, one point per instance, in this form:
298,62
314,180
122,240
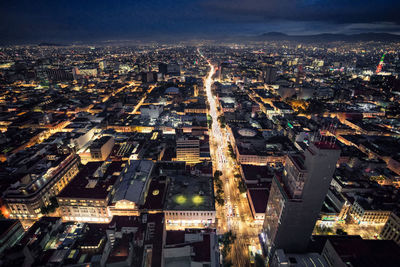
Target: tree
242,186
54,202
340,231
315,107
231,152
220,201
51,207
220,191
259,260
323,230
217,174
227,263
209,121
44,210
221,120
218,183
237,176
227,240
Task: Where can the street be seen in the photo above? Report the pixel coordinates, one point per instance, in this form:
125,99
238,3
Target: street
235,214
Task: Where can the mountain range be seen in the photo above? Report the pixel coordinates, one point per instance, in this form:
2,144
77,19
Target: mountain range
328,37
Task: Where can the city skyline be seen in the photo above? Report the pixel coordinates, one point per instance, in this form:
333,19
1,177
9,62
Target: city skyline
225,133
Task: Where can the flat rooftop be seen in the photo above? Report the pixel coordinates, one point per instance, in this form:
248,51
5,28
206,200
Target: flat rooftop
259,198
82,186
187,192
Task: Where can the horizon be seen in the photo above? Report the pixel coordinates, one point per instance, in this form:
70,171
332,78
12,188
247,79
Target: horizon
268,36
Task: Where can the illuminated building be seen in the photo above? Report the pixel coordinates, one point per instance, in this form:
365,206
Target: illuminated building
151,112
102,65
188,149
88,72
105,189
82,136
26,198
87,196
296,198
190,202
132,189
101,148
365,212
391,230
195,108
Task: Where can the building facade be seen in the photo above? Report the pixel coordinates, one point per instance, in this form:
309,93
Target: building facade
391,230
188,149
26,200
296,198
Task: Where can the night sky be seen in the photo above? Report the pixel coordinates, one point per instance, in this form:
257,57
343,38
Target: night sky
74,20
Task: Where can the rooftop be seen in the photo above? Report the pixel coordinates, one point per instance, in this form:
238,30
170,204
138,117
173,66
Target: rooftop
367,253
93,181
134,181
190,193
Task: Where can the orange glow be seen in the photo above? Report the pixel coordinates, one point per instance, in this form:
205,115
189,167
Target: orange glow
5,211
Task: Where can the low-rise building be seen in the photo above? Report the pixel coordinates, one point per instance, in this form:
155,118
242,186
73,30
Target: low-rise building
191,247
190,202
11,232
132,189
365,211
359,252
188,149
101,148
86,198
34,191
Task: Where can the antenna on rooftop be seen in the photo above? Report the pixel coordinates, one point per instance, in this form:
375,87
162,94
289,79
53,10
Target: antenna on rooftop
317,136
324,130
332,138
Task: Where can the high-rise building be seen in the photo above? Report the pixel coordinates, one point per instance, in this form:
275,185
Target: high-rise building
269,74
173,69
162,68
149,77
224,69
59,75
102,65
297,196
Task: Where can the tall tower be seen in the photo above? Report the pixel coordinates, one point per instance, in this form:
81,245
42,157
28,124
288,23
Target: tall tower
296,198
269,74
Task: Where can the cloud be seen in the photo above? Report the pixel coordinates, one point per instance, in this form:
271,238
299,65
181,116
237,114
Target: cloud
102,19
333,11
